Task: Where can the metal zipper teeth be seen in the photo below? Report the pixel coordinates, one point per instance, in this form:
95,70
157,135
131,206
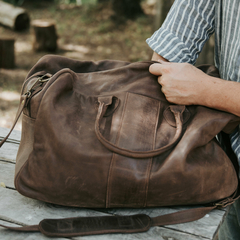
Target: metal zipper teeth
42,75
33,88
36,87
28,102
38,83
28,80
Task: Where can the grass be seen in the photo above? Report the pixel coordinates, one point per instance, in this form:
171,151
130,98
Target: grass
92,25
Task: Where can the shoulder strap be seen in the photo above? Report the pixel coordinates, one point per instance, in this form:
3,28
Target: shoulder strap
81,226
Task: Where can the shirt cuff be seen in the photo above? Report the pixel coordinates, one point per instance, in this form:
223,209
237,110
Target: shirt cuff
169,46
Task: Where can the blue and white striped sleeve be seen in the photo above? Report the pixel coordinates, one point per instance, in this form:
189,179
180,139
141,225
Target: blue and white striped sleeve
186,28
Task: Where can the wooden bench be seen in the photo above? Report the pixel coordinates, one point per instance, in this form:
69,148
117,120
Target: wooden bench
17,210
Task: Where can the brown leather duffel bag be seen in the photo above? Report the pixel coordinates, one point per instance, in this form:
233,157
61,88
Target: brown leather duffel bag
102,135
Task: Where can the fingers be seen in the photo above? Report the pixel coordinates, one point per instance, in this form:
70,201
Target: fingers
160,80
159,68
155,69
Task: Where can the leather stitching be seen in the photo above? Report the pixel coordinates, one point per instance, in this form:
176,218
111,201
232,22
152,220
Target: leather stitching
151,160
108,195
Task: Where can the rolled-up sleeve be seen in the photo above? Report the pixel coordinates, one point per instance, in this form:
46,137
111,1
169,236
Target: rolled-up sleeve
185,30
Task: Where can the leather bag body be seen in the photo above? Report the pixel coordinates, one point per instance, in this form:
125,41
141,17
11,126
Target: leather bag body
102,135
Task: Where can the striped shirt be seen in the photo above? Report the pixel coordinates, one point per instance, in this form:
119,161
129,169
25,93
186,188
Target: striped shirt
189,25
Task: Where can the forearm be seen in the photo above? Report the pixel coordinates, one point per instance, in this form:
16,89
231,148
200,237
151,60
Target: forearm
157,57
221,94
185,84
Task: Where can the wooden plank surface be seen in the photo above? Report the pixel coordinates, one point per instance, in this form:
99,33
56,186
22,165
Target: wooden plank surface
155,233
204,227
11,235
26,211
21,210
7,174
8,152
15,135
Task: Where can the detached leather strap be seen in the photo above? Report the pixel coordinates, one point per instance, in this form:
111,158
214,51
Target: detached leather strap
81,226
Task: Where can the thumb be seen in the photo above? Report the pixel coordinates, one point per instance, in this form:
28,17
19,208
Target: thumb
155,69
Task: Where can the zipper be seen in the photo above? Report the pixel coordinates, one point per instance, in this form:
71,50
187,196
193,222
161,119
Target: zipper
28,80
36,87
26,98
38,83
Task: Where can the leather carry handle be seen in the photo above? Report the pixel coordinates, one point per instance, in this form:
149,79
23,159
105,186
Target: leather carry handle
104,102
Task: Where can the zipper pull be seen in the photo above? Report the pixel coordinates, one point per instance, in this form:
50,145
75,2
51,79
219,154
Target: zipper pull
23,101
40,80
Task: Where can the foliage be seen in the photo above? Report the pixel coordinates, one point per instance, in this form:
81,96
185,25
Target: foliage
88,27
92,26
78,2
128,9
14,2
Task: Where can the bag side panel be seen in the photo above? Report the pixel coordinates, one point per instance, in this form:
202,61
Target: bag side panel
68,165
26,144
197,171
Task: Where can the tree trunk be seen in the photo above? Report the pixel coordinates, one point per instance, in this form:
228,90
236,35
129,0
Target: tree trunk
14,17
45,36
7,56
129,9
162,9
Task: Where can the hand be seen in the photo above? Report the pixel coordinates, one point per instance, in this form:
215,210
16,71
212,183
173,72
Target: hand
181,83
157,57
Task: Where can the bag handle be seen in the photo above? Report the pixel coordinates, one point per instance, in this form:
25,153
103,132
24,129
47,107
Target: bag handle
104,102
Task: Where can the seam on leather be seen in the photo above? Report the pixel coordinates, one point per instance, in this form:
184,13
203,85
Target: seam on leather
108,203
149,170
120,127
147,181
108,181
30,118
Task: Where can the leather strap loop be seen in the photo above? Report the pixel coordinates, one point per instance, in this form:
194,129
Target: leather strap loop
177,110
